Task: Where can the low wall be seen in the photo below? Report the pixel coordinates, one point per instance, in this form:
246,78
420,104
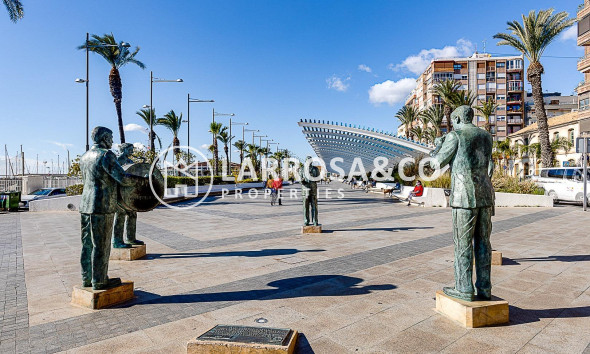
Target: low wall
523,200
71,203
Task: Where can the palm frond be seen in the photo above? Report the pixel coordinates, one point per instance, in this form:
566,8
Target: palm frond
15,9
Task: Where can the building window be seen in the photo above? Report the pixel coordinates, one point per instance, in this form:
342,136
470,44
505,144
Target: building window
481,76
443,76
584,104
555,135
584,25
501,86
463,77
570,134
501,118
514,64
457,66
501,75
500,64
481,87
500,97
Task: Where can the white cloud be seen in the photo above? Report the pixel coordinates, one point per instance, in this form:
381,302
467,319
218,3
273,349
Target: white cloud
418,63
338,83
134,127
363,67
205,146
391,92
61,145
139,146
570,33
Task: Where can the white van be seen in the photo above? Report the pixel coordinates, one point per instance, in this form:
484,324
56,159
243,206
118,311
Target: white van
563,183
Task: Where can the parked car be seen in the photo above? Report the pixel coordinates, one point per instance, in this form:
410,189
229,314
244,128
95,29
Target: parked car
563,183
42,193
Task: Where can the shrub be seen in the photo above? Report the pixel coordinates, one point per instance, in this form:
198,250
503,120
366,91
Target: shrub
507,184
443,181
74,189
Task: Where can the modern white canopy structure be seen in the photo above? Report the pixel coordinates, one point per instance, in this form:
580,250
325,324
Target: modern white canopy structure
334,139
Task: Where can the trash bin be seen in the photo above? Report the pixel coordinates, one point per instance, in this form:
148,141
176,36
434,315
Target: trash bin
9,200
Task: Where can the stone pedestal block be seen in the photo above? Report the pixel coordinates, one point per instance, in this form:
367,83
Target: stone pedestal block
473,314
496,258
311,229
98,299
128,254
243,340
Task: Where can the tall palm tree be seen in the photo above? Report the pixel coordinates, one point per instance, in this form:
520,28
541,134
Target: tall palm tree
240,145
225,139
117,56
434,114
173,123
15,9
146,114
215,129
252,154
418,132
447,90
531,38
462,98
407,115
487,108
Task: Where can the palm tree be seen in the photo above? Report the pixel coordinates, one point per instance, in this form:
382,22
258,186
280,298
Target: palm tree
15,9
447,90
252,154
225,139
531,38
215,129
117,56
430,135
418,132
407,115
144,114
173,123
462,98
240,145
557,144
487,108
434,115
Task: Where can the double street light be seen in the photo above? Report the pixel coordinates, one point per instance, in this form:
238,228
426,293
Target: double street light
86,81
151,106
190,100
231,137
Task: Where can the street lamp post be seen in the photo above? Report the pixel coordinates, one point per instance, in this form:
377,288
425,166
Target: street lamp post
231,137
152,80
190,100
86,81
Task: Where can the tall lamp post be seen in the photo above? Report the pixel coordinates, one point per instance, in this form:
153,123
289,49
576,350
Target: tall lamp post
190,100
231,137
86,81
152,80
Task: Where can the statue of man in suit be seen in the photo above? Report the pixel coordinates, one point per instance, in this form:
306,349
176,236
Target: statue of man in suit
125,220
309,193
468,151
101,174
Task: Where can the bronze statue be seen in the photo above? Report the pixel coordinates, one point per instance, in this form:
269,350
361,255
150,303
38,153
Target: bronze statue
101,174
468,151
309,193
125,219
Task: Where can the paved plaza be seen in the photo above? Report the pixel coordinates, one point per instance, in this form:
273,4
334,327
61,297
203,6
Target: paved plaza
366,284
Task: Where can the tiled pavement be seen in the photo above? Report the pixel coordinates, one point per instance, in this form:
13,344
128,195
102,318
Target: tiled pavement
365,285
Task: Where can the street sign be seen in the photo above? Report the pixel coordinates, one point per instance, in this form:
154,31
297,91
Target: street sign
580,144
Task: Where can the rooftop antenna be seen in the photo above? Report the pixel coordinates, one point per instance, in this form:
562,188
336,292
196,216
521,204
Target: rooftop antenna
484,45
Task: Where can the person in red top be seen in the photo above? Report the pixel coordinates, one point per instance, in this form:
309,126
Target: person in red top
277,185
417,192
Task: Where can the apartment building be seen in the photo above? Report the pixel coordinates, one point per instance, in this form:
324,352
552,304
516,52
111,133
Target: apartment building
555,105
500,78
583,89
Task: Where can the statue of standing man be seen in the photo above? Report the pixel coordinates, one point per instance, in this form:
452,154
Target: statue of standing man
309,193
101,175
125,220
468,151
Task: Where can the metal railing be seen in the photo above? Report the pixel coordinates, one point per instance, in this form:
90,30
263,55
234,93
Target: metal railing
60,182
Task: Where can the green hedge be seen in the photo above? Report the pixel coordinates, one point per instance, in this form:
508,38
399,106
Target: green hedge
74,189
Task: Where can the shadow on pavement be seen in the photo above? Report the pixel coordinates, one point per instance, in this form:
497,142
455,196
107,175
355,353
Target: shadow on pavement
391,229
576,258
303,346
521,316
315,285
259,253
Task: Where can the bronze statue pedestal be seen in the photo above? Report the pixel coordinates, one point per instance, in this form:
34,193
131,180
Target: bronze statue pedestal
244,339
472,314
311,229
98,299
128,254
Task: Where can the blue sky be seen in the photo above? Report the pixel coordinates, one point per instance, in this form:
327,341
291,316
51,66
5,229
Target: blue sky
269,62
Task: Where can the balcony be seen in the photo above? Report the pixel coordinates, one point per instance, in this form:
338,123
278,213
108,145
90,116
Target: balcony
584,63
515,86
584,39
583,10
514,121
583,87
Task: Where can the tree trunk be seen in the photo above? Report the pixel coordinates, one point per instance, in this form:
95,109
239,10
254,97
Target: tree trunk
534,76
225,149
215,156
117,92
176,144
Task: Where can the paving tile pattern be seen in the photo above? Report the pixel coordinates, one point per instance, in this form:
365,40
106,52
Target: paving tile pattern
14,320
150,310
